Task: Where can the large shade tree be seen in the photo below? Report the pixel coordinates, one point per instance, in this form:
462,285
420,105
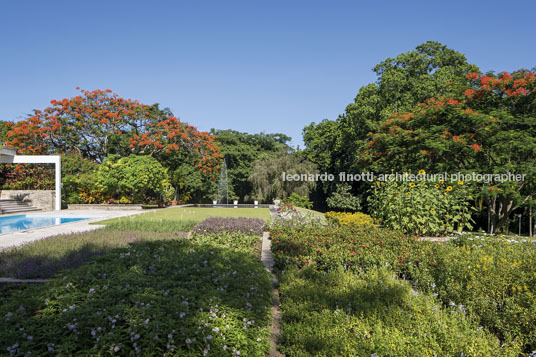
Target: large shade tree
267,176
241,150
431,70
98,123
487,126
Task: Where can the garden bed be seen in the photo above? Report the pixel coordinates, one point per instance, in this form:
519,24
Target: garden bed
138,292
349,284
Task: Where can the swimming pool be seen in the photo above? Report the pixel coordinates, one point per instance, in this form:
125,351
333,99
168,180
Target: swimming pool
23,222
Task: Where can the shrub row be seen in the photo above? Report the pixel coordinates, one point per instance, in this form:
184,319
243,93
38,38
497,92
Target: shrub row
230,225
356,219
353,248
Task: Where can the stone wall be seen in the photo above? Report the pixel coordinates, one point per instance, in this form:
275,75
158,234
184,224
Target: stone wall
43,199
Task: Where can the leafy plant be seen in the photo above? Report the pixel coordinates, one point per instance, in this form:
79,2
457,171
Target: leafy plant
268,182
353,248
343,314
493,278
342,199
165,298
423,208
137,178
299,201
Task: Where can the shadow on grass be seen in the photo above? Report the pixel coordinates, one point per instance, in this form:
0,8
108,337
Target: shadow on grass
355,294
157,297
47,257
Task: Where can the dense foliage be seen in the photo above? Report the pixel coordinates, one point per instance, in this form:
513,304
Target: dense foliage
97,124
133,179
487,283
430,109
353,248
421,207
342,199
240,151
356,219
493,278
403,82
267,176
487,126
342,314
26,177
299,201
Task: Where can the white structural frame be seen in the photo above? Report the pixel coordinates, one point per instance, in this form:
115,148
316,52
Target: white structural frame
39,159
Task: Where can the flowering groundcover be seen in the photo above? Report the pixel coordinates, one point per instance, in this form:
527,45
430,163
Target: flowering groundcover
177,297
488,285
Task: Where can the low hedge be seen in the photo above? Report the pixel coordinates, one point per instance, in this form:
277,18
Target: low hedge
356,219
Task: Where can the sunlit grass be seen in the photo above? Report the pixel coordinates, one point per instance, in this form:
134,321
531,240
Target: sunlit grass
196,214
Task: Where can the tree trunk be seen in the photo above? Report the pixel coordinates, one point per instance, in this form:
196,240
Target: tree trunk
505,209
530,220
493,214
489,215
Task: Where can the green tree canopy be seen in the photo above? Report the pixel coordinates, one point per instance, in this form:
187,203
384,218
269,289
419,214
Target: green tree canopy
137,178
431,70
487,127
240,151
267,176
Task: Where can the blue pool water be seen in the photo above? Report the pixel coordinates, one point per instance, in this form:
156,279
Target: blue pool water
23,222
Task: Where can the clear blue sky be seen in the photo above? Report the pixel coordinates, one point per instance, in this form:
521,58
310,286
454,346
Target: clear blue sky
272,66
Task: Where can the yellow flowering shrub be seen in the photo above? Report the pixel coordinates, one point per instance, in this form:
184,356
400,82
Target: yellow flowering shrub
356,219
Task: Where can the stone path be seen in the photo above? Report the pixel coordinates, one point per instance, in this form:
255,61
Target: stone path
275,326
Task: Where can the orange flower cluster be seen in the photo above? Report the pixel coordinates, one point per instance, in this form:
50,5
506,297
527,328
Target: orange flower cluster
520,83
92,122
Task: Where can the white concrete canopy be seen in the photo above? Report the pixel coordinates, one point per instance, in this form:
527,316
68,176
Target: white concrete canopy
9,156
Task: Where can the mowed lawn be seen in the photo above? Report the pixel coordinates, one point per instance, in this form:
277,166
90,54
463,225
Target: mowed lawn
196,214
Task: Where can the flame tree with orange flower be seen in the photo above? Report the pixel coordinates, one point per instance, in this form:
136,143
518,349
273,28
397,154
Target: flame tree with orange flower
488,127
99,123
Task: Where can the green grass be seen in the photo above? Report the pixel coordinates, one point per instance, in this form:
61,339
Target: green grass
164,225
196,214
